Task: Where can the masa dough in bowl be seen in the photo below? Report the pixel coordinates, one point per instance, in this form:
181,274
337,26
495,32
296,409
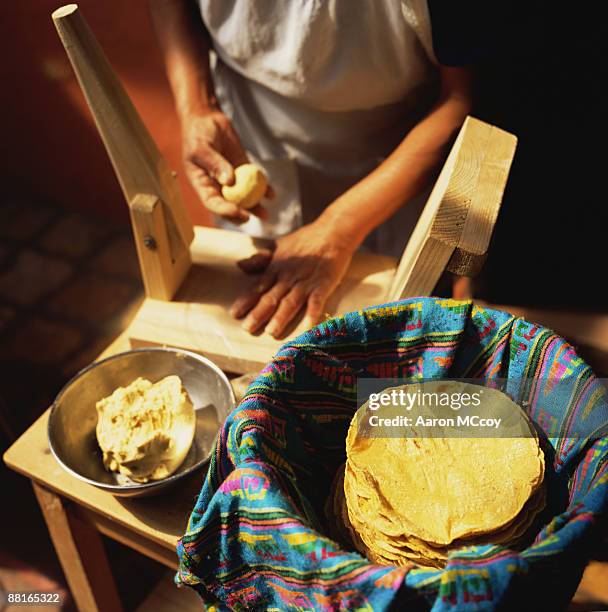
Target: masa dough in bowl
145,430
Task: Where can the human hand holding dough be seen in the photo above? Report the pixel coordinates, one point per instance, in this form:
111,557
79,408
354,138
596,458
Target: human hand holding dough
249,187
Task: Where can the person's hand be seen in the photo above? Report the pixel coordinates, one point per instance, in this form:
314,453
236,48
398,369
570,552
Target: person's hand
211,151
303,270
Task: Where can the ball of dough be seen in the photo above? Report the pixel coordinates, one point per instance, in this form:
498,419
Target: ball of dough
249,186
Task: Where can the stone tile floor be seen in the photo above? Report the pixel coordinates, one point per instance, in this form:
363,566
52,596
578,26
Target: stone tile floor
68,285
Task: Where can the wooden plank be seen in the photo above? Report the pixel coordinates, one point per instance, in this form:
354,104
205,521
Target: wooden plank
470,255
458,219
161,519
163,269
81,553
198,317
130,538
138,164
440,223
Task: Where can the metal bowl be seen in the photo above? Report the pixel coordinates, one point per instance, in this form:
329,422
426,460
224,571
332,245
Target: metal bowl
73,418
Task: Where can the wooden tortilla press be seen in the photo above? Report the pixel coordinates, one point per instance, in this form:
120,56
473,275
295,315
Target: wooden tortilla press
190,273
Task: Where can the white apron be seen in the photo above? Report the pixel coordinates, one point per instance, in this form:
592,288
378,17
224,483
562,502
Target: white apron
320,92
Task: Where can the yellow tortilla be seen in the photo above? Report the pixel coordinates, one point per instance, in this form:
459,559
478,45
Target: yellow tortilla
414,499
443,489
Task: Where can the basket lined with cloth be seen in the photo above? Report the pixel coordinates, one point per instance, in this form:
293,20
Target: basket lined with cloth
257,537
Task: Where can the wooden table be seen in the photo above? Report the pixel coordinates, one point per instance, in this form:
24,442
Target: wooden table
77,513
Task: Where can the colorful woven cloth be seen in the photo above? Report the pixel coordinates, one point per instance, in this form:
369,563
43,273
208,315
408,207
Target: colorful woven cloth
255,539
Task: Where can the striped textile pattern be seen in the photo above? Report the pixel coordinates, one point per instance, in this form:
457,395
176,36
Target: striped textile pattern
256,538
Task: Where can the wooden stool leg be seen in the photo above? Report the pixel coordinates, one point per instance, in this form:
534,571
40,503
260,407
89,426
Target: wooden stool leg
81,553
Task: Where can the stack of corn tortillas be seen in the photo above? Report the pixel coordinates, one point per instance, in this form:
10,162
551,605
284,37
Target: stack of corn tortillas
413,497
